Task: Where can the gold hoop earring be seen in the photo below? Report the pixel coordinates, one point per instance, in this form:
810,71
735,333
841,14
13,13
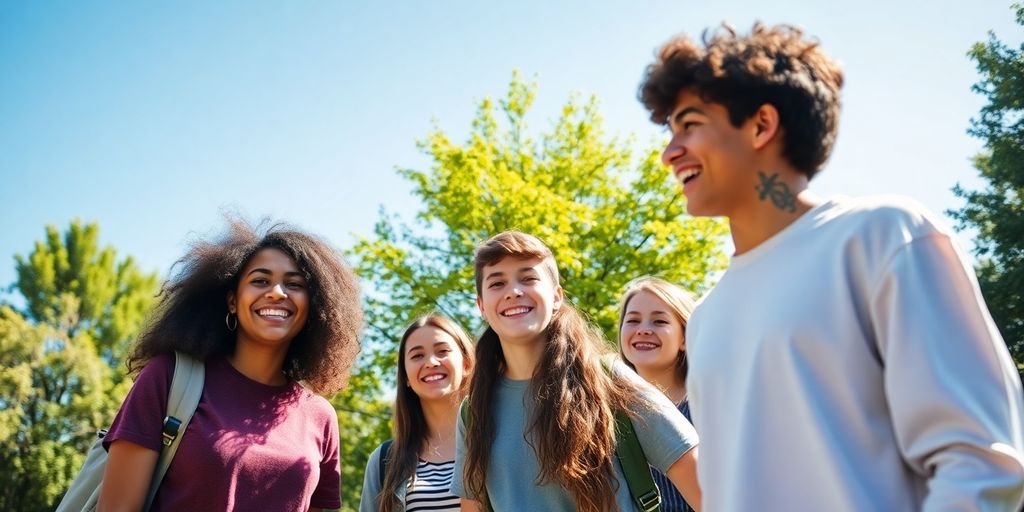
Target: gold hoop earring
227,321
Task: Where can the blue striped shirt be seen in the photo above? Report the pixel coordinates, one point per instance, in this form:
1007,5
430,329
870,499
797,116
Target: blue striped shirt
671,500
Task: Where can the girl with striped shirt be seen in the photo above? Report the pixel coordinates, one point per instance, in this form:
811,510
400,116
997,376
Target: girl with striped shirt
434,362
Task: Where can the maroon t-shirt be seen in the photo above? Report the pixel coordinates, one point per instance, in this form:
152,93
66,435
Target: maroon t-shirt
249,446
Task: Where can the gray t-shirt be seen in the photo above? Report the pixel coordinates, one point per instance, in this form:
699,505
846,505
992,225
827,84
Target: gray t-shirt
663,432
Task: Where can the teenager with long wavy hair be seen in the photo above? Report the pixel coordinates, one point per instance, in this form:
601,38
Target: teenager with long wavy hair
435,359
540,433
652,340
275,316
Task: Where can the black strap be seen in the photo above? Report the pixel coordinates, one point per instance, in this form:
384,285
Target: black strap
382,467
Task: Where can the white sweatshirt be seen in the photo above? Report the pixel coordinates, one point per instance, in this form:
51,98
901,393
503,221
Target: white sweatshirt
849,363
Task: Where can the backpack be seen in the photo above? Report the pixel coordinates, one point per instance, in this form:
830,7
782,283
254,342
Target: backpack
186,388
383,461
631,457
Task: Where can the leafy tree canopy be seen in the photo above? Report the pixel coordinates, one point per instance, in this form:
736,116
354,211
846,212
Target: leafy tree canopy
609,212
60,373
997,211
112,296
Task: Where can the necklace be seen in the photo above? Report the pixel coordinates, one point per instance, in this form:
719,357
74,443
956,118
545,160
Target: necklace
434,446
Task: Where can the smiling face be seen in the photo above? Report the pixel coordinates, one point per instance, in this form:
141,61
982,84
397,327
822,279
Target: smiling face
434,364
713,160
518,297
651,336
271,300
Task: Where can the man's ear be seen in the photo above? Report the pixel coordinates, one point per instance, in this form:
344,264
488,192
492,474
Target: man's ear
765,125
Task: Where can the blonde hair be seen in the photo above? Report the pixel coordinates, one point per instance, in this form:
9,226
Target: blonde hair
679,301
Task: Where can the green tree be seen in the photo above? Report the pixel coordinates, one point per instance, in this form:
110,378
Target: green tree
997,212
609,212
61,376
113,297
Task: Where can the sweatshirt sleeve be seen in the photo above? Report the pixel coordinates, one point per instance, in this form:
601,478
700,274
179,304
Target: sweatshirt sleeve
953,391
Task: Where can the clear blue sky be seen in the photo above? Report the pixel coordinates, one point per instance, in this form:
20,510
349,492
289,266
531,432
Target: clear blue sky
151,117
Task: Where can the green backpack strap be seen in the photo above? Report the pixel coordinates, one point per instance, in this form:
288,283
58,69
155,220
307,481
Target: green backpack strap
635,467
634,464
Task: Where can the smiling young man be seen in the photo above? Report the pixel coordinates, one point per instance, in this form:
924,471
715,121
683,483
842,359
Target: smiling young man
845,360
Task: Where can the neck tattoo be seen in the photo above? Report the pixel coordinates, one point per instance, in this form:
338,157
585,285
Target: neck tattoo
775,191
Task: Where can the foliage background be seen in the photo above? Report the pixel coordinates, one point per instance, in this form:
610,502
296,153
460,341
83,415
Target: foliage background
61,370
75,306
609,212
996,212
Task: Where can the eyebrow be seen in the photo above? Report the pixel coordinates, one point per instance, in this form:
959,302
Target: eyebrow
421,347
499,273
635,312
268,272
681,114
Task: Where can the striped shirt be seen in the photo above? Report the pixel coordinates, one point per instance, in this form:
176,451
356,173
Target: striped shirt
429,489
671,500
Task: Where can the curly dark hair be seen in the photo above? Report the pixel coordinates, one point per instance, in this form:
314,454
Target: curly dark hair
192,304
772,65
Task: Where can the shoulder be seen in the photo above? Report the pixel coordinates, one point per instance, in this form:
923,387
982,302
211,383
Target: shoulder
890,215
618,369
316,405
158,368
375,456
374,465
649,399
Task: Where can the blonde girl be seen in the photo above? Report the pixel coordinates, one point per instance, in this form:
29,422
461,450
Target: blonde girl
652,341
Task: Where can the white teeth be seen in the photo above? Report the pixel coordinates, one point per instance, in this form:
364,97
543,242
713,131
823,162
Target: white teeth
644,345
515,311
686,175
273,312
432,378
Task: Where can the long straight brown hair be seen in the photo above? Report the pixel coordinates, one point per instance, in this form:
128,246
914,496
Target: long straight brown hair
571,429
410,425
